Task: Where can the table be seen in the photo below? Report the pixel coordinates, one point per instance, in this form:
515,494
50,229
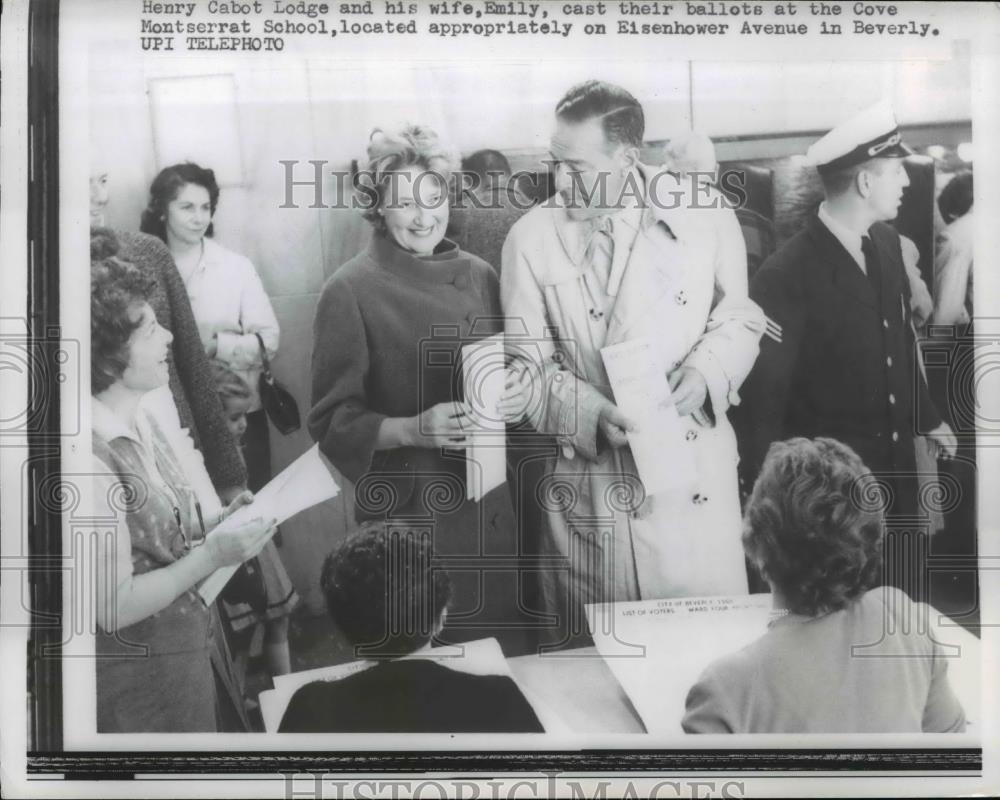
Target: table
580,688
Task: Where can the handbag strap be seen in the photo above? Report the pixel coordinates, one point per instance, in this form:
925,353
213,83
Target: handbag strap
264,359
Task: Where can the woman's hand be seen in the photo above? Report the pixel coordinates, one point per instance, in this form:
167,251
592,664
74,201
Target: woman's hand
516,396
244,498
443,425
230,547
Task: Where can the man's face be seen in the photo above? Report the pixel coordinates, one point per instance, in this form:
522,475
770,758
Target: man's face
589,171
887,179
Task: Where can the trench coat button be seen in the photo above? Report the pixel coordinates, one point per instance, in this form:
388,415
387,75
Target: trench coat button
895,436
885,324
681,298
892,399
699,499
888,361
691,435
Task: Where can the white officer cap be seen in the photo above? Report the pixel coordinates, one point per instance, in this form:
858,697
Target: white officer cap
874,133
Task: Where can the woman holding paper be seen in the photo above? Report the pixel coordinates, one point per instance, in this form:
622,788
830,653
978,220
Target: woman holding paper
387,399
159,657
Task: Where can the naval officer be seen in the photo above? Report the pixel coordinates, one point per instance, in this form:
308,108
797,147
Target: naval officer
839,360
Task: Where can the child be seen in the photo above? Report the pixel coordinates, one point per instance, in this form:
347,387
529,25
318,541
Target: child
280,596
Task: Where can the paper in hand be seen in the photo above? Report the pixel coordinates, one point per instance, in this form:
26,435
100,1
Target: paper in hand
304,483
483,379
642,393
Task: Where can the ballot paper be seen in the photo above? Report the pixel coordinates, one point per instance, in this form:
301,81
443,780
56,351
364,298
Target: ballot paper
639,382
483,374
482,657
306,482
657,649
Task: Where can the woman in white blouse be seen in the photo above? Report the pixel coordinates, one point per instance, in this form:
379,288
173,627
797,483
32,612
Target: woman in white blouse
227,297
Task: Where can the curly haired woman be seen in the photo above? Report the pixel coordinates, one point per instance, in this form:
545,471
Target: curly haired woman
843,653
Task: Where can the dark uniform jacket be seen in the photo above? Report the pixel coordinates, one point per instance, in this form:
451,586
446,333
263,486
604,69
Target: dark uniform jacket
846,364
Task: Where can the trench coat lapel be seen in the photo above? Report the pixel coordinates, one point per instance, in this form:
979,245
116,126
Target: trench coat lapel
845,274
655,268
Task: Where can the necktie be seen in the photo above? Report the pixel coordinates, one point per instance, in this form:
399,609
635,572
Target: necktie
600,250
872,266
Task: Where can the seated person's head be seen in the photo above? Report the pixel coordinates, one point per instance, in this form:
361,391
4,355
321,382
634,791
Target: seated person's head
811,527
955,199
382,592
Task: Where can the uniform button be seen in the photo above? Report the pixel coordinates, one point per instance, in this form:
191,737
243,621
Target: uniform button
888,361
892,399
895,436
691,435
681,298
885,324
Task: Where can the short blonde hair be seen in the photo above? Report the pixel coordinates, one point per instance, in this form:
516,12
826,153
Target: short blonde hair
392,152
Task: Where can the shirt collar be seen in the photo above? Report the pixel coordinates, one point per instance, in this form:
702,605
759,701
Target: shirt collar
851,240
108,425
576,234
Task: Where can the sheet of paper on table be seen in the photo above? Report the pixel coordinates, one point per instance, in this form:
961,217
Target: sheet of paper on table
482,657
483,370
306,482
657,649
642,393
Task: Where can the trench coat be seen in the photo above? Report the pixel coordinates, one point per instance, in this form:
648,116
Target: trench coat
683,285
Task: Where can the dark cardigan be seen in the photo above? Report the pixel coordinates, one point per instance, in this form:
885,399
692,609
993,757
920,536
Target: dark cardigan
191,383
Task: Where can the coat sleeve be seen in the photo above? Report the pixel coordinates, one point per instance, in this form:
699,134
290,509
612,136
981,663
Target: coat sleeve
927,416
222,457
706,709
565,405
340,420
760,419
951,275
725,352
242,351
943,712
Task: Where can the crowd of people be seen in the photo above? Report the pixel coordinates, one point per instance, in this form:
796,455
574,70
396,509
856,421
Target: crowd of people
802,384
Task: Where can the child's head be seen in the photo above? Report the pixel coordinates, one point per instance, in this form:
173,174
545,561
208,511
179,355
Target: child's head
235,396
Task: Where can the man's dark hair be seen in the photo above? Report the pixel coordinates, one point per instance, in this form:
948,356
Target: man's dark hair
382,592
620,114
487,165
955,199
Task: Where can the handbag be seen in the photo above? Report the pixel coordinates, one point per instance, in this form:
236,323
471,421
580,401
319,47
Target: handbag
247,586
276,400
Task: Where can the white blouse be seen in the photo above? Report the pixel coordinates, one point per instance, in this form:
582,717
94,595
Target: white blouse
230,304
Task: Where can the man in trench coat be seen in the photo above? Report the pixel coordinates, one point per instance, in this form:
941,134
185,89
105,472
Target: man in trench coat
626,252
